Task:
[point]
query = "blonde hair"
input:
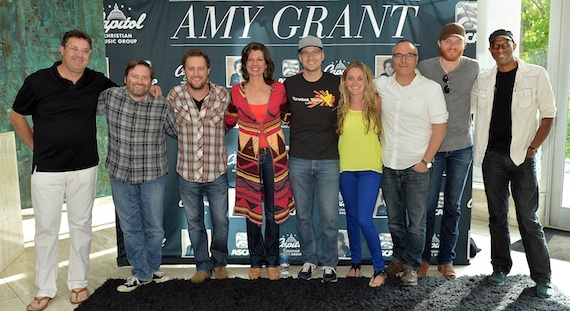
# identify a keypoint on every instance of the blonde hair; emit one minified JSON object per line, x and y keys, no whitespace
{"x":371,"y":109}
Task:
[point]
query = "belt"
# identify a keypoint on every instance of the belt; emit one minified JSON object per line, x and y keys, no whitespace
{"x":264,"y":151}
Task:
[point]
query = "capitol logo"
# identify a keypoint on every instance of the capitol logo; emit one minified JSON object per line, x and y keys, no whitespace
{"x":117,"y":20}
{"x":336,"y":67}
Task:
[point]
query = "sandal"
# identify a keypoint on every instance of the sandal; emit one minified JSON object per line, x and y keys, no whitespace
{"x":254,"y":273}
{"x":383,"y":276}
{"x":38,"y":301}
{"x":273,"y":273}
{"x":356,"y":268}
{"x":76,"y":292}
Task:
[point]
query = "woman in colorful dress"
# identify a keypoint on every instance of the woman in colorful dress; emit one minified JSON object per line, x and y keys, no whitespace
{"x":259,"y":104}
{"x":360,"y":164}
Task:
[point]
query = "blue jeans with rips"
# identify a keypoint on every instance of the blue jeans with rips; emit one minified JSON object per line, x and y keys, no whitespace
{"x":405,"y":194}
{"x":456,"y":165}
{"x":265,"y":249}
{"x":498,"y":171}
{"x":315,"y":183}
{"x":192,"y":195}
{"x":359,"y":191}
{"x":140,"y":208}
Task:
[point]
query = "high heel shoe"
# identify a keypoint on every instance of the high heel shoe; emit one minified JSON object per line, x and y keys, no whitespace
{"x":382,"y":275}
{"x":354,"y":271}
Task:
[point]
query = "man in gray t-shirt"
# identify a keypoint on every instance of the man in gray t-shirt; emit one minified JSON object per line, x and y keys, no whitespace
{"x":456,"y":74}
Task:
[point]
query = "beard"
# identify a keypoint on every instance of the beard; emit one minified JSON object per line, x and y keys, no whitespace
{"x":197,"y":85}
{"x":448,"y":57}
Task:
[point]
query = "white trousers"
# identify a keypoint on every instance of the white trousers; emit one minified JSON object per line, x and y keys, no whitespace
{"x":48,"y":191}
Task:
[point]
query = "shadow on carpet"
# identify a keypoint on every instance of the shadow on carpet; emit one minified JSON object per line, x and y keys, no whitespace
{"x":432,"y":293}
{"x":558,"y":244}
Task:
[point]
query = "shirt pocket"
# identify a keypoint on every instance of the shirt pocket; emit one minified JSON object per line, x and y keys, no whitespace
{"x":482,"y":98}
{"x":524,"y":98}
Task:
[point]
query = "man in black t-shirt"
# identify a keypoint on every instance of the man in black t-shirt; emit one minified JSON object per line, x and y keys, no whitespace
{"x":313,"y":158}
{"x":514,"y":110}
{"x":62,"y":101}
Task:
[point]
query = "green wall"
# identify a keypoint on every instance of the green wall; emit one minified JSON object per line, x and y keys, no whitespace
{"x":30,"y":37}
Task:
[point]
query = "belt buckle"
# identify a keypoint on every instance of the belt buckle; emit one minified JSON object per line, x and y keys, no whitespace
{"x":264,"y":151}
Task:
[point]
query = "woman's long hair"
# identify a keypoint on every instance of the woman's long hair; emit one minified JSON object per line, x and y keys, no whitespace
{"x":268,"y":72}
{"x":371,"y":109}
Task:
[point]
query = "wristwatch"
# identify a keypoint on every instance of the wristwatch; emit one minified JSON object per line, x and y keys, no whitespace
{"x":427,"y":164}
{"x":534,"y":150}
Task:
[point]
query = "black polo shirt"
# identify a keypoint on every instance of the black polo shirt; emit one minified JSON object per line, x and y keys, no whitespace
{"x":63,"y":117}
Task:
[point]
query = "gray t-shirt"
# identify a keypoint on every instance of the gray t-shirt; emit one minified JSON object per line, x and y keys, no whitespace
{"x":459,"y":129}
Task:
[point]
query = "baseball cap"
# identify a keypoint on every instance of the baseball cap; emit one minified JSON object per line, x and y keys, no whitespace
{"x":452,"y":29}
{"x":501,"y":33}
{"x":310,"y":41}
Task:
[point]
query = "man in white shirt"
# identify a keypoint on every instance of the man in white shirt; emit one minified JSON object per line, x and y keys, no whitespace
{"x":414,"y":117}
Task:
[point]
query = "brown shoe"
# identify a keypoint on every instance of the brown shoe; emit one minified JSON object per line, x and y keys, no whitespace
{"x":221,"y":273}
{"x":273,"y":273}
{"x":422,"y":271}
{"x":200,"y":277}
{"x":394,"y":267}
{"x":447,"y":271}
{"x":254,"y":273}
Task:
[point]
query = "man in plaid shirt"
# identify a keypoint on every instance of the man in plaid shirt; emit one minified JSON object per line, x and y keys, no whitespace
{"x":199,"y":106}
{"x":136,"y":162}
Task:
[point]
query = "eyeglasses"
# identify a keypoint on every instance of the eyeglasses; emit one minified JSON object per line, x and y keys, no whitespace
{"x":314,"y":53}
{"x":496,"y":47}
{"x":75,"y":49}
{"x":447,"y":87}
{"x":408,"y":56}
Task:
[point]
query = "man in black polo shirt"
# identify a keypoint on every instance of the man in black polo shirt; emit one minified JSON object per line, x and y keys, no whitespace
{"x":62,"y":101}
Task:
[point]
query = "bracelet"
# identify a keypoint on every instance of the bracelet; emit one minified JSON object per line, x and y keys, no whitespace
{"x":534,"y":150}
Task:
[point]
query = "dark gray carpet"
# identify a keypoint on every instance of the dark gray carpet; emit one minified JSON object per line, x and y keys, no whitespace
{"x":558,"y":244}
{"x":432,"y":293}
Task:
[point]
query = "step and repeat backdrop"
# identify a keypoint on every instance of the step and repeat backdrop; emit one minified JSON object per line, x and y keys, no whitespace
{"x":161,"y":31}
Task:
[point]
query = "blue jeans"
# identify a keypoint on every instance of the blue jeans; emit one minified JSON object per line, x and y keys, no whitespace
{"x":316,"y":183}
{"x":192,"y":195}
{"x":265,"y":249}
{"x":456,"y":165}
{"x":140,"y":208}
{"x":405,"y":194}
{"x":498,"y":171}
{"x":359,"y":191}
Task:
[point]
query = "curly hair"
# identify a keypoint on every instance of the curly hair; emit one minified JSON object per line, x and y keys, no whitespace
{"x":256,"y":46}
{"x":371,"y":109}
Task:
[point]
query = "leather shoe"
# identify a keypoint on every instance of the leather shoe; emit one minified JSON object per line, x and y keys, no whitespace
{"x":422,"y":270}
{"x":221,"y":273}
{"x":497,"y":278}
{"x":447,"y":271}
{"x":544,"y":290}
{"x":200,"y":277}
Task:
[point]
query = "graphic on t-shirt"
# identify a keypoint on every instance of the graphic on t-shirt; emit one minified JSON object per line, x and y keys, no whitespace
{"x":322,"y":98}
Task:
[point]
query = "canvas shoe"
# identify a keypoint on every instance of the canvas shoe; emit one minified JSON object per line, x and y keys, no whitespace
{"x":307,"y":271}
{"x":497,"y":278}
{"x":159,"y":277}
{"x":409,"y":277}
{"x":544,"y":289}
{"x":329,"y":275}
{"x":131,"y":284}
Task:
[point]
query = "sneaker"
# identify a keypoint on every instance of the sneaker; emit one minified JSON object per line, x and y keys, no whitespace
{"x":221,"y":273}
{"x":307,"y":271}
{"x":394,"y":267}
{"x":422,"y":271}
{"x":497,"y":278}
{"x":329,"y":275}
{"x":200,"y":277}
{"x":544,"y":289}
{"x":131,"y":284}
{"x":409,"y":277}
{"x":159,"y":277}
